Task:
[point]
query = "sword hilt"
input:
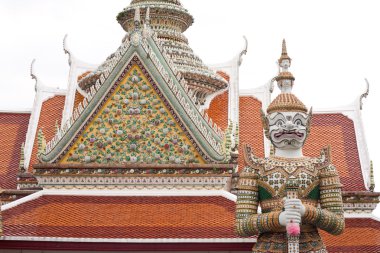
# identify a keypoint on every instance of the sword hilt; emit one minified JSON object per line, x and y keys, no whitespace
{"x":292,"y":185}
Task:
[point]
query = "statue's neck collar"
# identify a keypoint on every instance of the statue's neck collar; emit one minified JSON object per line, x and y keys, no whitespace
{"x":292,"y":154}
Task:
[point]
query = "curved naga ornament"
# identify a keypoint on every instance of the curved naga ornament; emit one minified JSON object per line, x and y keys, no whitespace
{"x":298,"y":195}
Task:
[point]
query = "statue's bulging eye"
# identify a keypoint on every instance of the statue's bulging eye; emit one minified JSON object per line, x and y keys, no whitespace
{"x":298,"y":122}
{"x":280,"y":123}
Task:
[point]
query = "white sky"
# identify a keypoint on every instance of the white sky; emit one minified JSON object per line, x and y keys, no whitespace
{"x":334,"y":46}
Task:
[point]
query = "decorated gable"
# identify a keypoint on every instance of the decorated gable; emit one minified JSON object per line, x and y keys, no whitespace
{"x":133,"y":124}
{"x":139,"y":110}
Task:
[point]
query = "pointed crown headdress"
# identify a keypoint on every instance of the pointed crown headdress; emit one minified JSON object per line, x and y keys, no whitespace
{"x":285,"y":101}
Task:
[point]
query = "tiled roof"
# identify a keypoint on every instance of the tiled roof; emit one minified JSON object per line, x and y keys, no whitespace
{"x":149,"y":217}
{"x":13,"y":131}
{"x":78,"y":99}
{"x":218,"y":110}
{"x":224,"y":75}
{"x":250,"y":127}
{"x":337,"y":131}
{"x":51,"y":111}
{"x":122,"y":217}
{"x":360,"y":235}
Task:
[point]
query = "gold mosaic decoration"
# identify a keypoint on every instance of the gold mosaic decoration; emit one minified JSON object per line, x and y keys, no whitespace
{"x":134,"y":126}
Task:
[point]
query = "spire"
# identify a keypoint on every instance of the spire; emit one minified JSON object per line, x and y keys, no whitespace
{"x":284,"y":54}
{"x":286,"y":101}
{"x":285,"y":79}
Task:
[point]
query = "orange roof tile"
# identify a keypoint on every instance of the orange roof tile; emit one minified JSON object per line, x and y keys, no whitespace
{"x":360,"y":235}
{"x":337,"y":131}
{"x":122,"y":217}
{"x":250,"y":127}
{"x":13,"y":131}
{"x":218,"y":110}
{"x":51,"y":111}
{"x":224,"y":75}
{"x":155,"y":217}
{"x":78,"y":99}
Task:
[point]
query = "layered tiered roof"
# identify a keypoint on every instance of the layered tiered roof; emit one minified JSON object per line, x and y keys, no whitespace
{"x":169,"y":19}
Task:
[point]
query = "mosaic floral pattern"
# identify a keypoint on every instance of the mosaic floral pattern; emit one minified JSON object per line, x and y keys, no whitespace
{"x":134,"y":126}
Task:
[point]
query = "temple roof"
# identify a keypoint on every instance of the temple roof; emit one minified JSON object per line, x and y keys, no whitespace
{"x":122,"y":217}
{"x":163,"y":63}
{"x":49,"y":116}
{"x":360,"y":235}
{"x":116,"y":217}
{"x":337,"y":131}
{"x":12,"y":135}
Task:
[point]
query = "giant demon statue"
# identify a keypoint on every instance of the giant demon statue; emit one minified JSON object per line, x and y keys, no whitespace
{"x":298,"y":195}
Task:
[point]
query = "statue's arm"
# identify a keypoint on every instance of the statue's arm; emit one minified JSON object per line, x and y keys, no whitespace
{"x":329,"y":216}
{"x":248,"y":221}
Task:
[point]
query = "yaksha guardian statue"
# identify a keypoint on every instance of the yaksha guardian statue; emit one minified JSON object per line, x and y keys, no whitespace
{"x":298,"y":195}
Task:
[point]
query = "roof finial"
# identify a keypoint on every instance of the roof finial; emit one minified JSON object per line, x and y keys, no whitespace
{"x":66,"y":49}
{"x":147,"y":31}
{"x":244,"y":51}
{"x":137,"y":19}
{"x":33,"y":75}
{"x":364,"y":95}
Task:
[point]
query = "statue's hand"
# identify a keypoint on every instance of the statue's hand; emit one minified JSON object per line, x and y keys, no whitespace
{"x":294,"y":211}
{"x":290,"y":215}
{"x":295,"y":205}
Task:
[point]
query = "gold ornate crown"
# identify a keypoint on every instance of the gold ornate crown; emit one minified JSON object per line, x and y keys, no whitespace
{"x":286,"y":102}
{"x":285,"y":76}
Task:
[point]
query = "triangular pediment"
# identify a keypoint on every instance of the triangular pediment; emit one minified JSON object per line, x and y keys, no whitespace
{"x":140,"y":111}
{"x":133,"y":125}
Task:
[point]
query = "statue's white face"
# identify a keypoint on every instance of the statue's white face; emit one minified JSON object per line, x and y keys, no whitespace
{"x":285,"y":64}
{"x":288,"y":130}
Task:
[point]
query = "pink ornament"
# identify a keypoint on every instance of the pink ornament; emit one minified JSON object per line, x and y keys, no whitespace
{"x":293,"y":229}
